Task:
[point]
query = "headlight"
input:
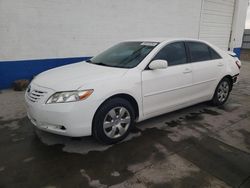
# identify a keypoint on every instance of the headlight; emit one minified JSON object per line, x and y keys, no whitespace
{"x":69,"y":96}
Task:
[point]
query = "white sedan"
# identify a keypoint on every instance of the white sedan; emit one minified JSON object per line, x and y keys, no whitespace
{"x":130,"y":82}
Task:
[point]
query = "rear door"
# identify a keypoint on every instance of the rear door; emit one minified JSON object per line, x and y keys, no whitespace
{"x":206,"y":65}
{"x":164,"y":89}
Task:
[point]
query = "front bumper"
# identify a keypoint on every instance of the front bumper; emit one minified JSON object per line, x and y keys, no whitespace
{"x":69,"y":119}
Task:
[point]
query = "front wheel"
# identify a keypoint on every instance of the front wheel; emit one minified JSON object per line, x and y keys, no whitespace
{"x":113,"y":121}
{"x":222,"y":92}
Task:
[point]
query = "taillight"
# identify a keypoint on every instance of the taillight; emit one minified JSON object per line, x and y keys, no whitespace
{"x":238,"y":64}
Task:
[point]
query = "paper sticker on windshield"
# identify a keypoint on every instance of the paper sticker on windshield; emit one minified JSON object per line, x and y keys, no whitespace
{"x":149,"y":43}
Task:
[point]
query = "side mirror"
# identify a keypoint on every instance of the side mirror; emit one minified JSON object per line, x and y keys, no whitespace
{"x":158,"y":64}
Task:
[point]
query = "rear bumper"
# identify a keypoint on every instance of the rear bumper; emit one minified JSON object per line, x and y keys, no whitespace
{"x":235,"y":78}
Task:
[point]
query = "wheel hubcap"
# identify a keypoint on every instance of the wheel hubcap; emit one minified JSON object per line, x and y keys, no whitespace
{"x":223,"y":91}
{"x":116,"y":122}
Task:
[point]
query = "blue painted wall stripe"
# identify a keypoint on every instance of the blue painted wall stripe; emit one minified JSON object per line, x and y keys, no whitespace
{"x":26,"y":69}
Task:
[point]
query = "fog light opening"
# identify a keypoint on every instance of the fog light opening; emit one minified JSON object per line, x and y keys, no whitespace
{"x":61,"y":127}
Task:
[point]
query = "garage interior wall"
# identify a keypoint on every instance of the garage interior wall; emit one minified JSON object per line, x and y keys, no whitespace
{"x":42,"y":34}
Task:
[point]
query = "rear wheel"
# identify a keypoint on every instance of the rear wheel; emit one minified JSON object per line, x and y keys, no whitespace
{"x":113,"y":121}
{"x":222,"y":92}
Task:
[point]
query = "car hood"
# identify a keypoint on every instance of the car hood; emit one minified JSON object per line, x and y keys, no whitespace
{"x":74,"y":76}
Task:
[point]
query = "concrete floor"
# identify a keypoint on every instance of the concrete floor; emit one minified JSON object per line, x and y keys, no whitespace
{"x":200,"y":146}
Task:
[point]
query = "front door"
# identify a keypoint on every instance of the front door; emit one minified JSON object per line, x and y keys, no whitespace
{"x":164,"y":89}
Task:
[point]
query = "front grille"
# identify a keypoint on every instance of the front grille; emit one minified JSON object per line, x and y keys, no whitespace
{"x":35,"y":95}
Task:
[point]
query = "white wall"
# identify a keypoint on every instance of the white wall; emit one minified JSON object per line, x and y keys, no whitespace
{"x":42,"y":29}
{"x":37,"y":29}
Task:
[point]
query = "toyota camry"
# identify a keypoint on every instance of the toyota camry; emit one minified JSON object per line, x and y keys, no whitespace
{"x":128,"y":83}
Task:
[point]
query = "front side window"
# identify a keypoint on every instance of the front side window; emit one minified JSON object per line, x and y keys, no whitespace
{"x":174,"y":54}
{"x":198,"y":51}
{"x":124,"y":55}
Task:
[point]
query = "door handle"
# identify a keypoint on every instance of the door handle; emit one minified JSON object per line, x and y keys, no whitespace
{"x":220,"y":64}
{"x":187,"y":70}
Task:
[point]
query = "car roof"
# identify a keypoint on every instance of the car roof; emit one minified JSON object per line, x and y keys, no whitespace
{"x":160,"y":40}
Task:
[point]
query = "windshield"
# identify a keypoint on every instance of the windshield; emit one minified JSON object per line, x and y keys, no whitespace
{"x":124,"y":55}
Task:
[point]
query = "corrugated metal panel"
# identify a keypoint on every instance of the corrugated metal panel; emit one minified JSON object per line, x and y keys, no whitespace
{"x":245,"y":45}
{"x":247,"y":31}
{"x":246,"y":39}
{"x":216,"y":22}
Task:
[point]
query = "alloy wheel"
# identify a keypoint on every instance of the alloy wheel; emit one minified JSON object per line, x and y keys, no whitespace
{"x":116,"y":122}
{"x":223,"y":91}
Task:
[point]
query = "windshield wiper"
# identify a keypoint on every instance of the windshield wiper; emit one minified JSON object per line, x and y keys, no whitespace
{"x":96,"y":63}
{"x":89,"y":61}
{"x":99,"y":63}
{"x":102,"y":64}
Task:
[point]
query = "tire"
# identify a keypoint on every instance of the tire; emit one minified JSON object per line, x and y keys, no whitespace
{"x":222,"y":92}
{"x":113,"y":121}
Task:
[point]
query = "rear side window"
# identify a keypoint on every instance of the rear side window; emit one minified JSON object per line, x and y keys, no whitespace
{"x":174,"y":53}
{"x":214,"y":54}
{"x":199,"y":51}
